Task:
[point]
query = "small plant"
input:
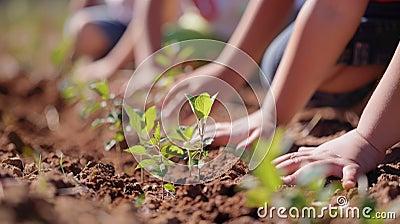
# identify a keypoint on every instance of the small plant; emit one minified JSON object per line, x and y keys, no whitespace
{"x":158,"y":148}
{"x":61,"y":163}
{"x":201,"y":107}
{"x":38,"y":160}
{"x":141,"y":122}
{"x":139,"y":200}
{"x":170,"y":189}
{"x":113,"y":107}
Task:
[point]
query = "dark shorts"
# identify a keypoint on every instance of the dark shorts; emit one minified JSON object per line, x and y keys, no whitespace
{"x":374,"y":43}
{"x":113,"y":29}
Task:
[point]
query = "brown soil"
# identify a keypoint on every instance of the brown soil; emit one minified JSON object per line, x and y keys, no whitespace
{"x":103,"y":187}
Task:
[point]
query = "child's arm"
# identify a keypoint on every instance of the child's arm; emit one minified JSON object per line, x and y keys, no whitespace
{"x":259,"y":25}
{"x":322,"y":30}
{"x":380,"y":120}
{"x":362,"y":149}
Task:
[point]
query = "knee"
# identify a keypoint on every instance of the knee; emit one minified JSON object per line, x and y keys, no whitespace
{"x":91,"y":41}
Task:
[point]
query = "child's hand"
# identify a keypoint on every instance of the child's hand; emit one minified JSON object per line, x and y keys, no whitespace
{"x":97,"y":70}
{"x":346,"y":157}
{"x":235,"y":132}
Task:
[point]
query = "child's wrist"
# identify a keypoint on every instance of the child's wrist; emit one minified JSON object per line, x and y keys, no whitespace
{"x":368,"y":150}
{"x":371,"y":143}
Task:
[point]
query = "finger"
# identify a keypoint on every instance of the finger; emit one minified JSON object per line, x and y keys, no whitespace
{"x":332,"y":169}
{"x":250,"y":139}
{"x":288,"y":156}
{"x":350,"y":174}
{"x":294,"y":163}
{"x":306,"y":149}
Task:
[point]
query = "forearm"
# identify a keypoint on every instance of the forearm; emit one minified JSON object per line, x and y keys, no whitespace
{"x":380,"y":121}
{"x":148,"y":23}
{"x":260,"y":24}
{"x":123,"y":51}
{"x":321,"y":32}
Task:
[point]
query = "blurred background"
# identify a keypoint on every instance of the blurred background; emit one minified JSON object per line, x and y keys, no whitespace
{"x":30,"y":34}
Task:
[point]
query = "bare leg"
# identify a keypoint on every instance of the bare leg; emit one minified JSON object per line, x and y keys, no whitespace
{"x":348,"y":78}
{"x":91,"y":41}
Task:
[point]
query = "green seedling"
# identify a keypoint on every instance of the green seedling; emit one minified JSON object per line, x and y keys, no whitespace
{"x":113,"y":107}
{"x":74,"y":90}
{"x":201,"y":107}
{"x":140,"y":199}
{"x":144,"y":124}
{"x":38,"y":160}
{"x":61,"y":163}
{"x":157,"y":160}
{"x":170,"y":189}
{"x":60,"y":54}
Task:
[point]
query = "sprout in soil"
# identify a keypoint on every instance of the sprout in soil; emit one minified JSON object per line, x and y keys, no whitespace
{"x":153,"y":151}
{"x":201,"y":107}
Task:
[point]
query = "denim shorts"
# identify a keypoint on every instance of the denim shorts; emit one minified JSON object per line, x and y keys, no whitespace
{"x":373,"y":43}
{"x":113,"y":29}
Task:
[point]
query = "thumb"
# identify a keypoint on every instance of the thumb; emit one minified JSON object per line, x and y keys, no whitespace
{"x":350,"y":174}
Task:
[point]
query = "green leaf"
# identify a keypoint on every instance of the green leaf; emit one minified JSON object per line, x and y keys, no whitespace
{"x":92,"y":108}
{"x":157,"y":132}
{"x":146,"y":162}
{"x":101,"y":88}
{"x":162,"y":60}
{"x":169,"y":151}
{"x":137,"y":150}
{"x":135,"y":119}
{"x":257,"y":197}
{"x":182,"y":133}
{"x":117,"y":102}
{"x":108,"y":145}
{"x":115,"y":114}
{"x":265,"y":171}
{"x":59,"y":55}
{"x":169,"y":187}
{"x":201,"y":105}
{"x":119,"y":137}
{"x":101,"y":121}
{"x":149,"y":117}
{"x":168,"y":162}
{"x":69,"y":92}
{"x":152,"y":141}
{"x":160,"y":170}
{"x":185,"y":53}
{"x":140,"y":199}
{"x":191,"y":100}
